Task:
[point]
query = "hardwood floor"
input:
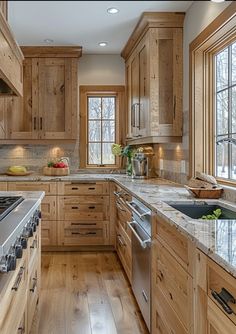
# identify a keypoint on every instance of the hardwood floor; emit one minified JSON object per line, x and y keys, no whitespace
{"x":86,"y":293}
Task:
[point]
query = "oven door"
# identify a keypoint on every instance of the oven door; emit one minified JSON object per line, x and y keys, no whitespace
{"x":141,"y":263}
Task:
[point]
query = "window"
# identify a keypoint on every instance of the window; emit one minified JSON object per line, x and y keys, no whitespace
{"x":102,"y":123}
{"x":225,"y":109}
{"x":101,"y":129}
{"x":213,"y":99}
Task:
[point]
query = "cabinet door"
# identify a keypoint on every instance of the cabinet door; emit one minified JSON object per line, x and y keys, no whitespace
{"x":2,"y":118}
{"x":57,"y":98}
{"x":143,"y":111}
{"x":128,"y":99}
{"x":134,"y":94}
{"x":23,"y":120}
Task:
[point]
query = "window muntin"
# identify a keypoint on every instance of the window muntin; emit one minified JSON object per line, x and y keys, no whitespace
{"x":101,"y":129}
{"x":225,"y":111}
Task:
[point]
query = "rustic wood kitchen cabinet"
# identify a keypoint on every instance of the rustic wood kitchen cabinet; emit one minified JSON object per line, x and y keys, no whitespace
{"x":11,"y":74}
{"x":123,"y":232}
{"x":48,"y":208}
{"x":211,"y":316}
{"x":154,"y":61}
{"x":83,"y":213}
{"x":49,"y":107}
{"x":172,"y":281}
{"x":19,"y":290}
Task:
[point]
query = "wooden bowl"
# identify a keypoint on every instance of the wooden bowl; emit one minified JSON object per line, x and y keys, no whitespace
{"x":213,"y":193}
{"x":52,"y":171}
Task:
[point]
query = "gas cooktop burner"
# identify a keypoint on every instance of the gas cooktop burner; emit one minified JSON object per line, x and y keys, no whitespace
{"x":8,"y":203}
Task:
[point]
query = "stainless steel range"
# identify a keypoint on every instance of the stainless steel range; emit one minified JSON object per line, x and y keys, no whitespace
{"x":19,"y":219}
{"x":141,"y":256}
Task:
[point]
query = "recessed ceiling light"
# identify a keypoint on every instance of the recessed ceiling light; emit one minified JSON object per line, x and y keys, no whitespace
{"x":217,"y":0}
{"x":102,"y":44}
{"x":48,"y":40}
{"x":112,"y":10}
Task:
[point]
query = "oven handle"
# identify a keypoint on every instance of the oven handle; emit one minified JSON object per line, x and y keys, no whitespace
{"x":143,"y":243}
{"x":140,"y":215}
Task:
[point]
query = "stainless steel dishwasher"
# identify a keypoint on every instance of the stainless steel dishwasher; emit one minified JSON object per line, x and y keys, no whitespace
{"x":141,"y":256}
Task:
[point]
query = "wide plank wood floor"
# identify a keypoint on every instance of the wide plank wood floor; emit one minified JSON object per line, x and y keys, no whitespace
{"x":86,"y":293}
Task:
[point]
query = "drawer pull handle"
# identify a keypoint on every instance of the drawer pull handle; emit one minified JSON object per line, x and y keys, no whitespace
{"x":91,"y":207}
{"x":75,"y":207}
{"x":34,"y":285}
{"x":223,"y":298}
{"x":120,"y":240}
{"x":34,"y":244}
{"x":83,"y":224}
{"x":91,"y":188}
{"x":75,"y":188}
{"x":119,"y":207}
{"x":86,"y":233}
{"x":18,"y":279}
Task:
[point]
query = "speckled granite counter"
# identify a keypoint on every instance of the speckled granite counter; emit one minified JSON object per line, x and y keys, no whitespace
{"x":217,"y":239}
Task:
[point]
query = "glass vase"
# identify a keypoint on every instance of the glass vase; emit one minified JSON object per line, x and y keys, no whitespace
{"x":129,"y":167}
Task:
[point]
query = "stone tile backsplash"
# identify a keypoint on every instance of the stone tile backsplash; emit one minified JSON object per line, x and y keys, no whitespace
{"x":35,"y":157}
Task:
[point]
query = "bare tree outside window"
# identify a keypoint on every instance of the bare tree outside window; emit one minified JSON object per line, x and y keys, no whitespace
{"x":225,"y":102}
{"x":101,"y":115}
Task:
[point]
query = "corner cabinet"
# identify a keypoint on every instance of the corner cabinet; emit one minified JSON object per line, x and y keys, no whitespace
{"x":154,"y":61}
{"x":49,"y":107}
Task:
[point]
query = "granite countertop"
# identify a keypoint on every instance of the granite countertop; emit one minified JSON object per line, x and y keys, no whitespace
{"x":217,"y":239}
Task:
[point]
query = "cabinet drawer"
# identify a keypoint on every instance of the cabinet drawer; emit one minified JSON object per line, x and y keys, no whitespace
{"x":218,"y":323}
{"x":123,"y":247}
{"x":218,"y":279}
{"x":49,"y":233}
{"x":164,"y":319}
{"x":123,"y":216}
{"x":80,"y":188}
{"x":49,"y":208}
{"x":34,"y":249}
{"x":173,"y":239}
{"x":50,"y":188}
{"x":83,"y":208}
{"x":22,"y":328}
{"x":13,"y":302}
{"x":33,"y":292}
{"x":173,"y":281}
{"x":78,"y":235}
{"x":3,"y":186}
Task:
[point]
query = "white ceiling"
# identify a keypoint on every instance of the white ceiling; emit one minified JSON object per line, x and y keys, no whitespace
{"x":84,"y":23}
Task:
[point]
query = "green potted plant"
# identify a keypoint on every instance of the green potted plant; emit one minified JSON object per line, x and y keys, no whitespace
{"x":126,"y":151}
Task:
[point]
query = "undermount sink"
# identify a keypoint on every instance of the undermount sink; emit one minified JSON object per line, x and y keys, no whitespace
{"x":196,"y":210}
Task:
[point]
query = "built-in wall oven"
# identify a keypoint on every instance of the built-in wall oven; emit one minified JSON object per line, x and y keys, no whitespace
{"x":141,"y":256}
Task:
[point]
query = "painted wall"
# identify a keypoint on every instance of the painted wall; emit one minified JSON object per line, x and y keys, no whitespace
{"x":176,"y":156}
{"x":93,"y":70}
{"x":101,"y":70}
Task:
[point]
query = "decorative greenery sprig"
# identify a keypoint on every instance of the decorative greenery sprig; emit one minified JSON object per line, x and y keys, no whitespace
{"x":215,"y":215}
{"x":126,"y":151}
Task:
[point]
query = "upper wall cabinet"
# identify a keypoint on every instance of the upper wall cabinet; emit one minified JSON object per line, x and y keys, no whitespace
{"x":11,"y":58}
{"x":49,"y":107}
{"x":154,"y":62}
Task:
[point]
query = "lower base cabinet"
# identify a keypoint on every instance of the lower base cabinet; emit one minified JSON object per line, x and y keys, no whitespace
{"x":79,"y":233}
{"x":20,"y":291}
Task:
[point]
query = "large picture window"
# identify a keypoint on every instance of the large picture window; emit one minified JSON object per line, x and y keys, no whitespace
{"x":225,"y":109}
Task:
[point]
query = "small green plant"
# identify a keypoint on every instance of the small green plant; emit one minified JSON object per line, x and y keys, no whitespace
{"x":215,"y":215}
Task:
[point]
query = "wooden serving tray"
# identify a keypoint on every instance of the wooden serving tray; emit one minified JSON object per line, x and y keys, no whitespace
{"x":52,"y":171}
{"x":205,"y":193}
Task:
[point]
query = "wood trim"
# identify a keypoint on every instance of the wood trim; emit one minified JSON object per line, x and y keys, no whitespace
{"x":104,"y":89}
{"x":151,"y":20}
{"x":214,"y":27}
{"x":52,"y":51}
{"x":220,"y":32}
